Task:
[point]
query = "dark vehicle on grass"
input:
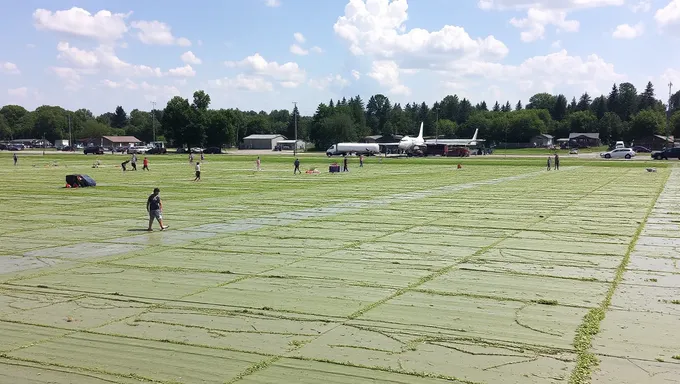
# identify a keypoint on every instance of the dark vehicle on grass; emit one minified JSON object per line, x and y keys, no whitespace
{"x":668,"y":153}
{"x":212,"y":151}
{"x":641,"y":149}
{"x":94,"y":150}
{"x":157,"y":151}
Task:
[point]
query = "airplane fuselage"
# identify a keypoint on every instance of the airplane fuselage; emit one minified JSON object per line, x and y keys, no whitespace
{"x":408,"y":143}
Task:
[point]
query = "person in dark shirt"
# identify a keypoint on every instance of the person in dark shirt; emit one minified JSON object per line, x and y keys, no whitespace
{"x":557,"y":162}
{"x":155,"y":208}
{"x":297,"y":166}
{"x":344,"y":164}
{"x":15,"y":159}
{"x":123,"y":164}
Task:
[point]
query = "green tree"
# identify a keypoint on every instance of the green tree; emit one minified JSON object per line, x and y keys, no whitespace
{"x":496,"y":107}
{"x":518,"y":106}
{"x":582,"y":121}
{"x":119,"y":118}
{"x":542,"y":101}
{"x":559,"y":110}
{"x":647,"y":123}
{"x":176,"y":120}
{"x":13,"y":114}
{"x":647,"y":98}
{"x":599,"y":107}
{"x":5,"y":130}
{"x":446,"y":128}
{"x":584,"y":102}
{"x":94,"y":129}
{"x":610,"y":127}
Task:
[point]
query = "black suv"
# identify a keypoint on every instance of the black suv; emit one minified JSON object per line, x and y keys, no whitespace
{"x":668,"y":153}
{"x":94,"y":150}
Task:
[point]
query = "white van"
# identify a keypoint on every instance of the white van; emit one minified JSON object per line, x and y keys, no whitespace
{"x":619,"y":144}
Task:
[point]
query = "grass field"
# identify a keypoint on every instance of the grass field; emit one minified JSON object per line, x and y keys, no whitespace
{"x":404,"y":271}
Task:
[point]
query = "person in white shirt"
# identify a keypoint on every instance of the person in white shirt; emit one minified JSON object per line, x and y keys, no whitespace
{"x":257,"y":164}
{"x":198,"y":171}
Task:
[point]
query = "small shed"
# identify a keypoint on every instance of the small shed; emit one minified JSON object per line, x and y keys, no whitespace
{"x":584,"y":139}
{"x":288,"y":145}
{"x":543,"y":140}
{"x":655,"y":142}
{"x":262,"y":141}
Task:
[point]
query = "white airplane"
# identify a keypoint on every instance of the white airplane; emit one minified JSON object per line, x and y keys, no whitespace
{"x":409,"y":144}
{"x":461,"y":142}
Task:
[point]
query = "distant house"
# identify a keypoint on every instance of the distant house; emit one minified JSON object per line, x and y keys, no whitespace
{"x":261,"y":141}
{"x":584,"y":139}
{"x":542,"y":140}
{"x":655,"y":142}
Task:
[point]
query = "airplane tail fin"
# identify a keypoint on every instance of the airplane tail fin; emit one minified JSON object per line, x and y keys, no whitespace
{"x":474,"y":137}
{"x":420,"y":134}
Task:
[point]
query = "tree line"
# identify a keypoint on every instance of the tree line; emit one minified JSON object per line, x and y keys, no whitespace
{"x":623,"y":114}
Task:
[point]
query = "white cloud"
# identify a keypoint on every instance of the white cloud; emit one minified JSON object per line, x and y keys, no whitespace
{"x":103,"y":25}
{"x":625,"y":31}
{"x":103,"y":58}
{"x":189,"y":58}
{"x":70,"y":76}
{"x":316,"y":49}
{"x":127,"y":83}
{"x":356,"y":74}
{"x":298,"y":50}
{"x":157,"y":33}
{"x":379,"y":30}
{"x":244,"y":83}
{"x":289,"y":72}
{"x":668,"y":15}
{"x":272,"y":3}
{"x":386,"y":73}
{"x":18,"y":92}
{"x":328,"y":81}
{"x":185,"y":71}
{"x":9,"y":68}
{"x":556,"y":45}
{"x":153,"y":92}
{"x":299,"y":37}
{"x":541,"y":13}
{"x":670,"y":75}
{"x":642,"y":6}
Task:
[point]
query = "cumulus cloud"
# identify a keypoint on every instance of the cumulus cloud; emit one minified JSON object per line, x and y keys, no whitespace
{"x":185,"y":71}
{"x":299,"y":37}
{"x":244,"y":83}
{"x":626,"y":31}
{"x":289,"y":73}
{"x":272,"y":3}
{"x":103,"y":58}
{"x":9,"y":68}
{"x":157,"y":33}
{"x":103,"y":25}
{"x":356,"y":74}
{"x":386,"y":73}
{"x":642,"y":6}
{"x":541,"y":13}
{"x":298,"y":50}
{"x":324,"y":83}
{"x":189,"y":58}
{"x":669,"y":15}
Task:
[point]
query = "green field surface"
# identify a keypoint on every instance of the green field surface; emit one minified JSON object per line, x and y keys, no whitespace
{"x":403,"y":271}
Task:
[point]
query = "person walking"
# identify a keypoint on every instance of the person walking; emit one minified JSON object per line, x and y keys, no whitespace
{"x":257,"y":164}
{"x":198,"y":171}
{"x":15,"y":159}
{"x":549,"y":167}
{"x":146,"y":165}
{"x":154,"y":207}
{"x":344,"y":165}
{"x":297,"y":166}
{"x":361,"y":161}
{"x":191,"y":157}
{"x":123,"y":164}
{"x":134,"y":162}
{"x":202,"y":157}
{"x":557,"y":162}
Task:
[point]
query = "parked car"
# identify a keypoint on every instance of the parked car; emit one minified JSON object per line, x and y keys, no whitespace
{"x":16,"y":147}
{"x":212,"y":150}
{"x":138,"y":150}
{"x":94,"y":150}
{"x":157,"y":151}
{"x":641,"y":149}
{"x":196,"y":150}
{"x":3,"y":147}
{"x":668,"y":153}
{"x":619,"y":153}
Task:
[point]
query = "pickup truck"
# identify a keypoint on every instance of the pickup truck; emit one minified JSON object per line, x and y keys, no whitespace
{"x":668,"y":153}
{"x":138,"y":150}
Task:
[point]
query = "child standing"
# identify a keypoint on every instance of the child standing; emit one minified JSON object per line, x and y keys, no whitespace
{"x":146,"y":164}
{"x":361,"y":161}
{"x":549,"y":162}
{"x":15,"y":159}
{"x":257,"y":164}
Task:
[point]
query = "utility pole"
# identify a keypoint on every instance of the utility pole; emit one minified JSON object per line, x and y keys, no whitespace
{"x":70,"y":138}
{"x":295,"y":122}
{"x":436,"y":128}
{"x":668,"y":113}
{"x":153,"y":119}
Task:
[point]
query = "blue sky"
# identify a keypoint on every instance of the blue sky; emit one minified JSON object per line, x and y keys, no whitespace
{"x":97,"y":54}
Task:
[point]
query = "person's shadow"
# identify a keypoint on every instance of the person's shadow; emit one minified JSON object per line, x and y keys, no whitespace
{"x":137,"y":230}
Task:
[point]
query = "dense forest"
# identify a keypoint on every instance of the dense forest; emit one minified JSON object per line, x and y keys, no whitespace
{"x":623,"y":114}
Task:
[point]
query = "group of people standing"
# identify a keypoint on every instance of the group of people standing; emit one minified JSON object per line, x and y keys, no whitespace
{"x":133,"y":162}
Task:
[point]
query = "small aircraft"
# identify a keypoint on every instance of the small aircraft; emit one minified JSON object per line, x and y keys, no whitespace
{"x":408,"y":143}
